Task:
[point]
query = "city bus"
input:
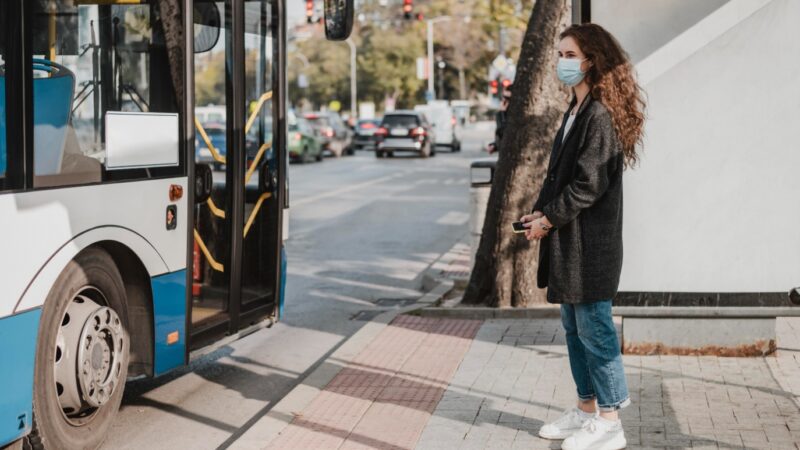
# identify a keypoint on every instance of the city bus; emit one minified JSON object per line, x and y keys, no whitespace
{"x":123,"y":252}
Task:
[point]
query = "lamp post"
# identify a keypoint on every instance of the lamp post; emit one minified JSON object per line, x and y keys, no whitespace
{"x":353,"y":87}
{"x":430,"y":23}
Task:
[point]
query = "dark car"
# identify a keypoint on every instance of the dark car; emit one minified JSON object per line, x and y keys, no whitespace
{"x":405,"y":131}
{"x":365,"y":134}
{"x":336,"y":137}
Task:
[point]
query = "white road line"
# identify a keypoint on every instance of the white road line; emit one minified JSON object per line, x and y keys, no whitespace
{"x":343,"y":190}
{"x":453,"y":218}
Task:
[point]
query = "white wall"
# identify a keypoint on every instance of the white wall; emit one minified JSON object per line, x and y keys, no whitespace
{"x":715,"y":204}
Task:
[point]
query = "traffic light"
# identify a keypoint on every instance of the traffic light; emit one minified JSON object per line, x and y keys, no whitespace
{"x":408,"y":8}
{"x":506,"y":83}
{"x":309,"y":11}
{"x":493,"y":87}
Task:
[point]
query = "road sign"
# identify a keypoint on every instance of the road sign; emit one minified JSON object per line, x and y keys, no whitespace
{"x":422,"y":68}
{"x":302,"y":81}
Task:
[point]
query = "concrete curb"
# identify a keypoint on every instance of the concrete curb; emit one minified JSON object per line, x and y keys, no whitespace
{"x":431,"y":276}
{"x":281,"y":415}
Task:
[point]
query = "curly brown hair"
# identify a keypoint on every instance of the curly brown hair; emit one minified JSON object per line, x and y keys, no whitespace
{"x":612,"y":81}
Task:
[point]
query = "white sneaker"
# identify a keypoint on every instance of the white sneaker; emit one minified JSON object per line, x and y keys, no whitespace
{"x":570,"y":422}
{"x":597,"y":434}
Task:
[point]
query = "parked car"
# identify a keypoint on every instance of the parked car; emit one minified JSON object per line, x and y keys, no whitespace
{"x":217,"y":135}
{"x":304,"y":145}
{"x":336,"y":137}
{"x":365,"y":134}
{"x":444,"y":120}
{"x":405,"y":131}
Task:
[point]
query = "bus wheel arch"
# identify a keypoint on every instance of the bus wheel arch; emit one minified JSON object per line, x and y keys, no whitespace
{"x":83,"y":322}
{"x":139,"y":307}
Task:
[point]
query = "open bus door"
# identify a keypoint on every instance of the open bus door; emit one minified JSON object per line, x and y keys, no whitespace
{"x":236,"y":256}
{"x":236,"y":249}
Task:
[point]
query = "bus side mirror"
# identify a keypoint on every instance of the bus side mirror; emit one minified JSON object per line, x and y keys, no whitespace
{"x":338,"y":19}
{"x":203,"y":182}
{"x":207,"y":25}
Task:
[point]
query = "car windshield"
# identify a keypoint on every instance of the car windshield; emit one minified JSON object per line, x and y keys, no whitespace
{"x":400,"y":121}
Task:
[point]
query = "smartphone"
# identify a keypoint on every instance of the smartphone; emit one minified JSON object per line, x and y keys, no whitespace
{"x":519,"y":227}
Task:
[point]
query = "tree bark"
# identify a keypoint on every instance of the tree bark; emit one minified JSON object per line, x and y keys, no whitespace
{"x":504,"y":274}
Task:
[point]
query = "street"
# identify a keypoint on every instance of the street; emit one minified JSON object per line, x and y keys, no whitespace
{"x":362,"y":232}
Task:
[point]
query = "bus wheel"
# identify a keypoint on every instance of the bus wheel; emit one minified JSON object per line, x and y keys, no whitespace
{"x":81,"y":356}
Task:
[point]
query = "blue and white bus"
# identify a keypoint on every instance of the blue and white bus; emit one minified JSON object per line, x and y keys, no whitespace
{"x":123,"y":253}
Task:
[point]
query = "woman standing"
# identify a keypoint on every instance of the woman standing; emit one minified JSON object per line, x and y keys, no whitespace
{"x":578,"y":218}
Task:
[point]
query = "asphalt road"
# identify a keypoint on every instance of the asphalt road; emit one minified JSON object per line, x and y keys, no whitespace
{"x":362,"y":231}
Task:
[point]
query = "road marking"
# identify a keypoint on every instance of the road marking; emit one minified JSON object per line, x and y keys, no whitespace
{"x":453,"y":218}
{"x":344,"y":190}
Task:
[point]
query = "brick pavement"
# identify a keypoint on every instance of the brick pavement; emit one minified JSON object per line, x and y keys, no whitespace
{"x":516,"y":376}
{"x":384,"y":397}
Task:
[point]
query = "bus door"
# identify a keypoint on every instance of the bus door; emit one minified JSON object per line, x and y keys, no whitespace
{"x":236,"y":237}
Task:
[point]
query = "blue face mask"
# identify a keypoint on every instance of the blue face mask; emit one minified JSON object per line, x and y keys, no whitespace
{"x":569,"y":71}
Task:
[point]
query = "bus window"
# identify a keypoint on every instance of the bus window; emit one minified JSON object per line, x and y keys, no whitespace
{"x":88,"y":60}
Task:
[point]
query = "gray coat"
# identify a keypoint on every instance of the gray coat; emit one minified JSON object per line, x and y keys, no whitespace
{"x":581,"y":259}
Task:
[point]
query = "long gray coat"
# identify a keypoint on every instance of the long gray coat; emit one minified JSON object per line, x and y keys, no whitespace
{"x":581,"y":259}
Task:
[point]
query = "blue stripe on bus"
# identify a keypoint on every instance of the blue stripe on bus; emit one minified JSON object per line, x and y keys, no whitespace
{"x":18,"y":350}
{"x":169,"y":309}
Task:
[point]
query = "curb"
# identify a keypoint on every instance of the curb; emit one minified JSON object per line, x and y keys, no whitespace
{"x":431,"y":277}
{"x":261,"y":433}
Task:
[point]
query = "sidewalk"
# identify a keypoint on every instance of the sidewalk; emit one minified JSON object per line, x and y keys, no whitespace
{"x":436,"y":383}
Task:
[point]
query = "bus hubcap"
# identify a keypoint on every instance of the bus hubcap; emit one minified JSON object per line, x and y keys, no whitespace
{"x":89,"y":353}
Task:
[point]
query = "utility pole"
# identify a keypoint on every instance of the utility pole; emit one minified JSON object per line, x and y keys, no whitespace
{"x":353,"y":85}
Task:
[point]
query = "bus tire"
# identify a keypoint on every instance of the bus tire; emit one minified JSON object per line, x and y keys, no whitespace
{"x":87,"y":301}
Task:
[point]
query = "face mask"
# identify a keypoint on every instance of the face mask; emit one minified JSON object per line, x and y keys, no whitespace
{"x":569,"y":71}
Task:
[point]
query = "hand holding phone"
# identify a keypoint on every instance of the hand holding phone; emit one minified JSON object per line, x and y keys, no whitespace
{"x":519,"y":227}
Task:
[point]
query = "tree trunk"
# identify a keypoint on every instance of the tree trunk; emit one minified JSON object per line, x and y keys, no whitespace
{"x":504,"y":274}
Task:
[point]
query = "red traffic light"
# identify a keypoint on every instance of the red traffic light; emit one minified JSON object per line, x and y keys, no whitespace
{"x":506,"y":83}
{"x":493,"y":87}
{"x":408,"y":7}
{"x":309,"y":10}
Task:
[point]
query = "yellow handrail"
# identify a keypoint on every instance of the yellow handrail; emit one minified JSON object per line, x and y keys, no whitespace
{"x":264,"y":97}
{"x":217,"y":157}
{"x":253,"y":213}
{"x":211,"y":261}
{"x":214,"y":209}
{"x":256,"y":160}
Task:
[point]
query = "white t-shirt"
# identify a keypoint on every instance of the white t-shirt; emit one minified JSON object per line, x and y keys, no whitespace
{"x":570,"y":120}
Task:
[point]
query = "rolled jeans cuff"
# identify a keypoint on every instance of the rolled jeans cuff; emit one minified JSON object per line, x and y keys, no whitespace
{"x":586,"y":397}
{"x":616,"y":406}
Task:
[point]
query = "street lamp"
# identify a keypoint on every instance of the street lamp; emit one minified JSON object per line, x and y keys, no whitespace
{"x":430,"y":23}
{"x":353,"y":92}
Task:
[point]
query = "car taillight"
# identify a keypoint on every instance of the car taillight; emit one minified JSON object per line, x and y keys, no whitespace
{"x":419,"y":131}
{"x":382,"y":131}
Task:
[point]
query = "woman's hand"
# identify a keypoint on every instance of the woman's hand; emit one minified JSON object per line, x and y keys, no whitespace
{"x":537,"y":224}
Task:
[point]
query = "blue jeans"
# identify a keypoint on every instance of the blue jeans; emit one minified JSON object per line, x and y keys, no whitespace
{"x":594,"y":354}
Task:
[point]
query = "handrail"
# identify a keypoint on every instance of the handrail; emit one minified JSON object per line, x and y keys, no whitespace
{"x":214,"y":153}
{"x":211,"y":261}
{"x":253,"y":213}
{"x":256,"y":160}
{"x":264,"y":97}
{"x":215,"y":209}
